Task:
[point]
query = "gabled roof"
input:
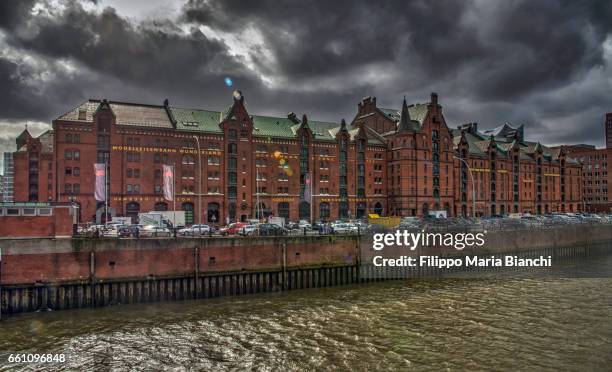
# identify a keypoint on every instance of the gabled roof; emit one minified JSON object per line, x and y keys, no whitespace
{"x":417,"y":113}
{"x":125,"y":114}
{"x":46,"y":143}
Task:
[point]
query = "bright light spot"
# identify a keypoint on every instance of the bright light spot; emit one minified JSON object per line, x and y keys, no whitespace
{"x":228,"y":82}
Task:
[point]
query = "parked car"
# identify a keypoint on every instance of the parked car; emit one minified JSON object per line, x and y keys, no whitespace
{"x":270,"y":229}
{"x":249,"y":229}
{"x":194,"y":230}
{"x":154,"y":231}
{"x":344,"y":228}
{"x":127,"y":231}
{"x":303,"y":224}
{"x":292,"y":226}
{"x":233,"y":228}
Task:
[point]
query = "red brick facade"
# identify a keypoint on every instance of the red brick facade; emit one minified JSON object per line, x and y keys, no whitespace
{"x":390,"y":162}
{"x":36,"y":220}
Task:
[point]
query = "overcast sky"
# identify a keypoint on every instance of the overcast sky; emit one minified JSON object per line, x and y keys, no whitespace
{"x":545,"y":64}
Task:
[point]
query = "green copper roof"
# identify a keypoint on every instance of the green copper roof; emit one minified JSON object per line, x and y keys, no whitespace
{"x":268,"y":126}
{"x":196,"y":120}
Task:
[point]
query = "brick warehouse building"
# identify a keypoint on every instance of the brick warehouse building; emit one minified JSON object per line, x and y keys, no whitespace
{"x":387,"y":161}
{"x":595,"y":171}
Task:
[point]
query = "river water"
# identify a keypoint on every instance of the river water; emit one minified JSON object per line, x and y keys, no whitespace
{"x":452,"y":324}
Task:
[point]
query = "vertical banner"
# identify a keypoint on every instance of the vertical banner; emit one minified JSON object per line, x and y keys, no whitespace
{"x":100,"y":188}
{"x":168,"y":173}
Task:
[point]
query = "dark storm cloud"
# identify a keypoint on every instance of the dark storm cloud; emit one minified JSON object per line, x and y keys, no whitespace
{"x":310,"y":37}
{"x":154,"y":53}
{"x":529,"y":62}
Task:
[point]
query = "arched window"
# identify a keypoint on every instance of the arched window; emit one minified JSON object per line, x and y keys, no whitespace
{"x":378,"y":209}
{"x":188,"y":209}
{"x":324,"y":212}
{"x":160,"y":207}
{"x":213,"y":212}
{"x":304,"y":210}
{"x":434,"y":134}
{"x":283,"y":210}
{"x":343,"y":210}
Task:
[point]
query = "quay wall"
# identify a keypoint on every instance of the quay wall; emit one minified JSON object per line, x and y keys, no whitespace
{"x":41,"y":274}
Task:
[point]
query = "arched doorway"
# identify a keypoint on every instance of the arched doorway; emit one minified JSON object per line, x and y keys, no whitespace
{"x":343,"y":210}
{"x":493,"y":210}
{"x":160,"y":207}
{"x":131,"y":210}
{"x":188,"y":209}
{"x":447,"y":209}
{"x":212,"y":212}
{"x":283,"y":210}
{"x":502,"y":210}
{"x":361,"y":210}
{"x":324,"y":211}
{"x":304,"y":210}
{"x":378,"y":208}
{"x":464,"y":210}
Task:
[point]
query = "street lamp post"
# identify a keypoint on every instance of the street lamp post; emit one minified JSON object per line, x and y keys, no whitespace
{"x":199,"y":185}
{"x":473,"y":184}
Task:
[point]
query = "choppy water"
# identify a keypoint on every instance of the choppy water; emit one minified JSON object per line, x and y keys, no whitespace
{"x":475,"y":324}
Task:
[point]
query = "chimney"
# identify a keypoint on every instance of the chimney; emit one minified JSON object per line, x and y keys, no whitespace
{"x":293,"y":117}
{"x":434,"y":98}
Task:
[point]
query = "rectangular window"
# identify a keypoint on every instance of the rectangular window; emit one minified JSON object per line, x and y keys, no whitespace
{"x":12,"y":211}
{"x":29,"y":211}
{"x":45,"y":211}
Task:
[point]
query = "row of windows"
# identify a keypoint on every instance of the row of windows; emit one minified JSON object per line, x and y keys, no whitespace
{"x":72,"y":188}
{"x":71,"y":154}
{"x":71,"y":171}
{"x":73,"y":138}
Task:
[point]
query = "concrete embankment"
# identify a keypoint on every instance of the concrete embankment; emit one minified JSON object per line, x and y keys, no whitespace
{"x":73,"y":273}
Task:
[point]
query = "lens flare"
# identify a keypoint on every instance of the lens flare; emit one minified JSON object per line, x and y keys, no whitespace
{"x":228,"y":82}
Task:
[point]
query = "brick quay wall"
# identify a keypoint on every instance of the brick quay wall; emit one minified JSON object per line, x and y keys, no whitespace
{"x":40,"y":274}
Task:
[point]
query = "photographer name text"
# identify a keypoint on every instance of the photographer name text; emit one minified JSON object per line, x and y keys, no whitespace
{"x":466,"y":261}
